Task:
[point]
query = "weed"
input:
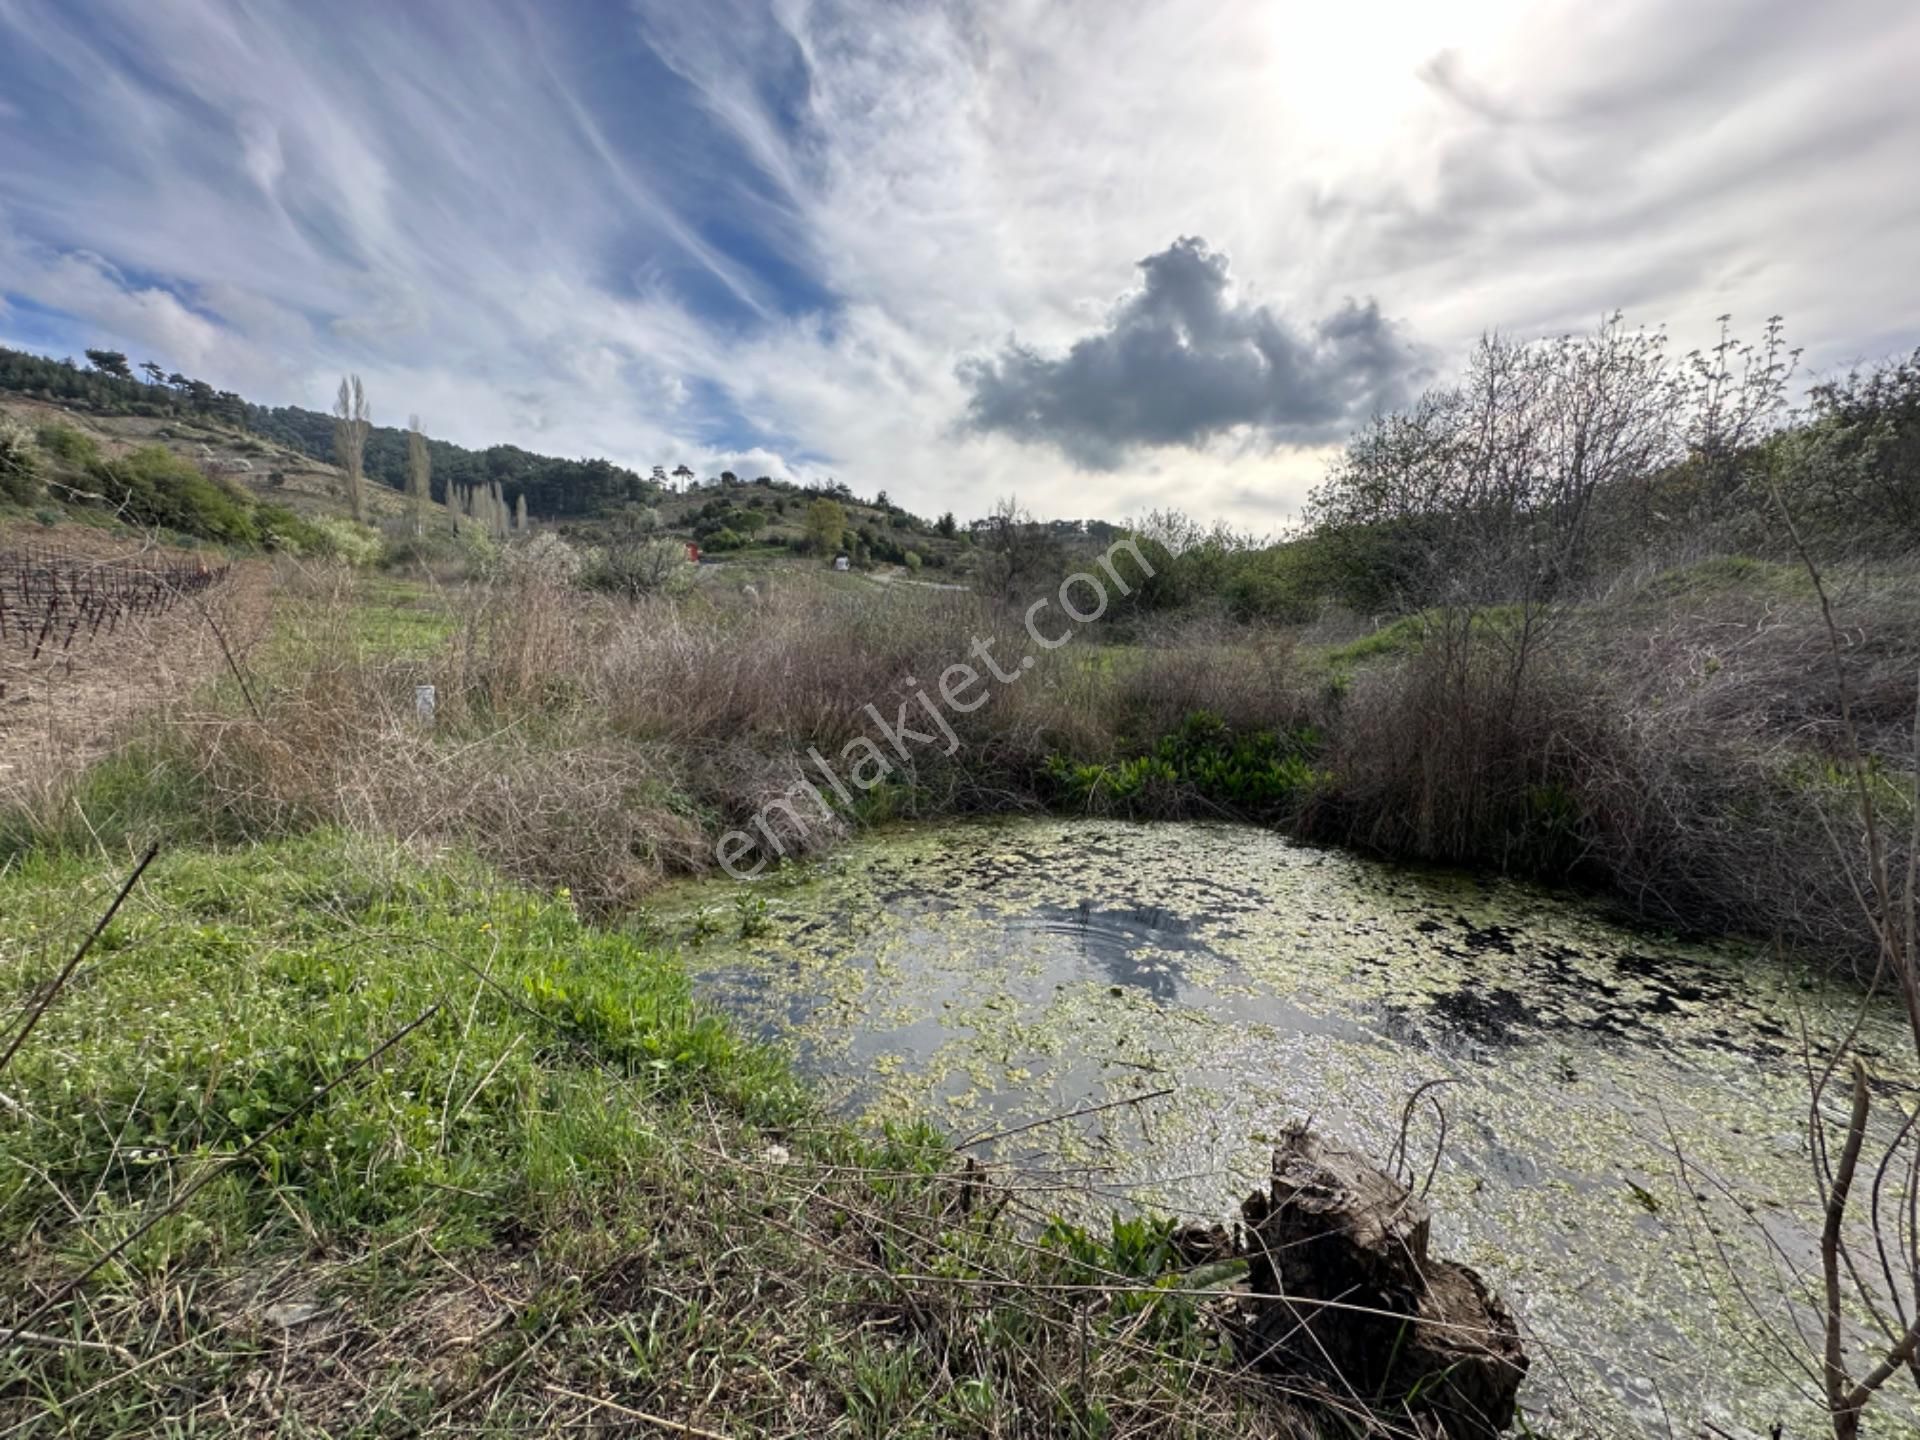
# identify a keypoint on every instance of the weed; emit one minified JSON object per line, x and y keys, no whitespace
{"x":751,"y":909}
{"x":568,"y":1182}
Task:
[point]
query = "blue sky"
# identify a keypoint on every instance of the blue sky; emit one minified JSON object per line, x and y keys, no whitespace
{"x":1104,"y":255}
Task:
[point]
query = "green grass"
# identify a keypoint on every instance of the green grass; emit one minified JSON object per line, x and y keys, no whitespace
{"x":1729,"y":574}
{"x":1398,"y":638}
{"x":387,"y":619}
{"x":402,"y":619}
{"x":136,"y":795}
{"x":569,"y":1180}
{"x":1411,"y":632}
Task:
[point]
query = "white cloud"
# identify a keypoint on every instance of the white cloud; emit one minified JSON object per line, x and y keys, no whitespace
{"x":441,"y":199}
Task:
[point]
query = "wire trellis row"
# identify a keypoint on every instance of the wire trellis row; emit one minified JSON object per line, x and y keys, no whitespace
{"x":51,"y":597}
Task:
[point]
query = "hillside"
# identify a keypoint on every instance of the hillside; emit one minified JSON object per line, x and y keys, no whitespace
{"x":300,"y":439}
{"x":283,"y":456}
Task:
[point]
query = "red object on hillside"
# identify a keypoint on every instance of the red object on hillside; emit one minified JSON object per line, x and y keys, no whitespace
{"x":693,"y":553}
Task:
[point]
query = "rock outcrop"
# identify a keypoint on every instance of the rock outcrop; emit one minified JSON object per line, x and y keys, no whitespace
{"x":1342,"y":1286}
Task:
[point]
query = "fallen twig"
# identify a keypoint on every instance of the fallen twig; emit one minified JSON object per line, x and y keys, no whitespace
{"x":39,"y":1007}
{"x":1067,"y":1115}
{"x":678,"y":1427}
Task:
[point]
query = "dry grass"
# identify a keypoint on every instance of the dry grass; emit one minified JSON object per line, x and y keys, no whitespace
{"x":1676,"y":744}
{"x":1672,"y":741}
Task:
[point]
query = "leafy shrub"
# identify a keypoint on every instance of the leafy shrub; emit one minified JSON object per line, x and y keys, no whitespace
{"x":436,"y":546}
{"x":638,"y":567}
{"x":291,"y":533}
{"x":288,"y":531}
{"x":153,"y":486}
{"x":482,"y":554}
{"x":912,"y":561}
{"x":1852,"y":473}
{"x":346,"y":540}
{"x":544,"y":560}
{"x":71,"y":447}
{"x":19,"y":464}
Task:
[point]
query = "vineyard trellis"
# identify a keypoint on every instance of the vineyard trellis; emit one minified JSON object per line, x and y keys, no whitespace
{"x":50,"y":597}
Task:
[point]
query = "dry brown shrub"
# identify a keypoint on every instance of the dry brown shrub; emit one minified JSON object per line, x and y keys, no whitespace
{"x":1248,"y":677}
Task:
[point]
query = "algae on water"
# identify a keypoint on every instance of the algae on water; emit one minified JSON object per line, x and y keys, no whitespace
{"x":1624,"y":1112}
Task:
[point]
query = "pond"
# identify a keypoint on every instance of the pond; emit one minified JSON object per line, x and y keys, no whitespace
{"x":1624,"y":1153}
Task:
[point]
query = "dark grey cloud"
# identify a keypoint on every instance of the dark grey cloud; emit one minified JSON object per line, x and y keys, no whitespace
{"x":1180,"y":360}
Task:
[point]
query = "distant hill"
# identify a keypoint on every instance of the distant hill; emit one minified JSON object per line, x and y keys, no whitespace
{"x":291,"y":453}
{"x":553,"y":487}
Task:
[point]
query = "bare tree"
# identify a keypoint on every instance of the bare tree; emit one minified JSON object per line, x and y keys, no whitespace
{"x":419,"y":475}
{"x":351,"y":424}
{"x":1890,"y":896}
{"x":520,"y":511}
{"x":1489,"y":491}
{"x":1019,"y":553}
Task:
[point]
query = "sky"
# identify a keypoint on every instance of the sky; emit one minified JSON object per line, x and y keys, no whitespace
{"x":1104,"y":256}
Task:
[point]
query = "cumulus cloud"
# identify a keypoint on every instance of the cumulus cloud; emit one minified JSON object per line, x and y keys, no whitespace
{"x":1182,"y":360}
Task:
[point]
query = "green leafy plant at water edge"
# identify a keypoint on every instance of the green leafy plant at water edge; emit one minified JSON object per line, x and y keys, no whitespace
{"x":1256,"y":770}
{"x":1137,"y":1256}
{"x":1121,"y":781}
{"x":752,"y":912}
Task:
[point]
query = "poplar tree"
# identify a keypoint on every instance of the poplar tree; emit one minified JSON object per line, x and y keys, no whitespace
{"x":419,"y":475}
{"x":351,"y":422}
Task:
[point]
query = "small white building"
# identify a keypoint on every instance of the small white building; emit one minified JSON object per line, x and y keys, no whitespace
{"x":840,"y":562}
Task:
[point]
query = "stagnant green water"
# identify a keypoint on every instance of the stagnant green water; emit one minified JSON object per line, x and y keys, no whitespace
{"x":985,"y":975}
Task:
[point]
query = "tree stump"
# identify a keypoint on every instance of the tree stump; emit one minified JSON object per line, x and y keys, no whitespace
{"x":1342,"y":1285}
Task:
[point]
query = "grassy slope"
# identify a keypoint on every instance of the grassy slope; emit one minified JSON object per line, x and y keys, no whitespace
{"x":567,"y":1182}
{"x":309,"y":486}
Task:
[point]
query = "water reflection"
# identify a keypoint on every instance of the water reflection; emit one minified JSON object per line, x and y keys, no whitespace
{"x":1137,"y":946}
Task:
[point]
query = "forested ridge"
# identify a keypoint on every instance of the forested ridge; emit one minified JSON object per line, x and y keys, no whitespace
{"x":553,"y":486}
